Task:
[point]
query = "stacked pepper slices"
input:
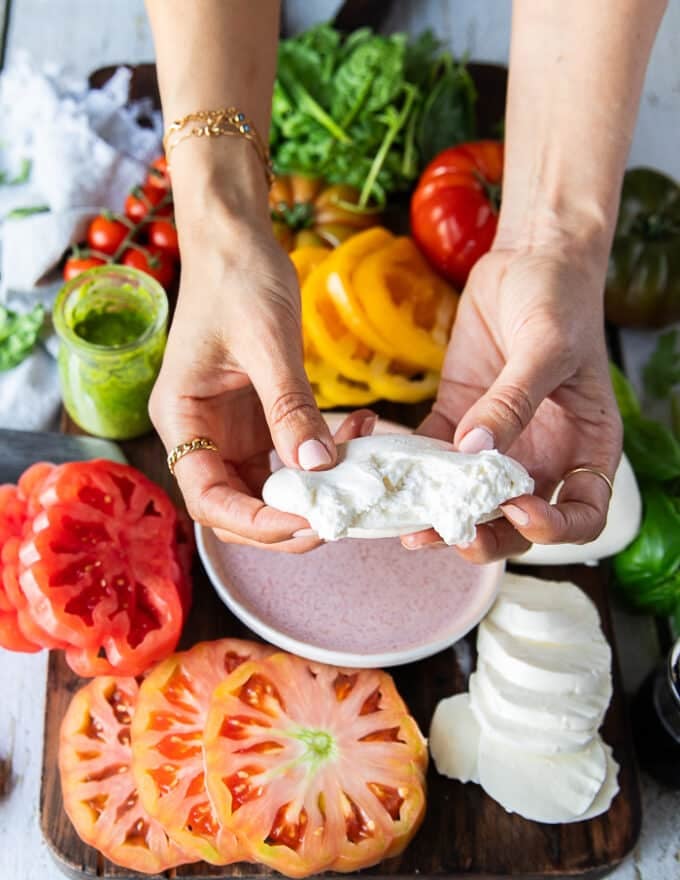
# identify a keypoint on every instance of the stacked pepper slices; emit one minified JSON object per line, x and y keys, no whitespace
{"x":376,"y":320}
{"x":95,"y":561}
{"x":231,"y":752}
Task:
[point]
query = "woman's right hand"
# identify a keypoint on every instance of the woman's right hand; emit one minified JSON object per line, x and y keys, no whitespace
{"x":233,"y":369}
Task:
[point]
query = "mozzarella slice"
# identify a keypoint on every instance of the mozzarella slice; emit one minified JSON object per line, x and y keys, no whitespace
{"x":609,"y":790}
{"x":623,"y":524}
{"x":551,"y":611}
{"x":391,"y":485}
{"x":542,"y":709}
{"x":545,"y":788}
{"x":542,"y":666}
{"x":545,"y":740}
{"x":454,"y":739}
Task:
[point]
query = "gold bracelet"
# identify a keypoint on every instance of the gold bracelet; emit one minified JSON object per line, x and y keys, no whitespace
{"x":215,"y":123}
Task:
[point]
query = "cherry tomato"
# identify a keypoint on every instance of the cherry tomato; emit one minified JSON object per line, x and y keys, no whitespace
{"x":158,"y":175}
{"x":454,"y":209}
{"x":163,"y":235}
{"x":140,"y":201}
{"x":314,"y":767}
{"x":99,"y":792}
{"x":157,"y":263}
{"x":106,"y":234}
{"x":175,"y":698}
{"x":99,"y":568}
{"x":75,"y":265}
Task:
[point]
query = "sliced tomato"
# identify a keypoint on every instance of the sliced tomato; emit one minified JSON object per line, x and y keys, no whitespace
{"x":12,"y":521}
{"x":30,"y":485}
{"x":27,"y":626}
{"x":97,"y":785}
{"x":314,"y":767}
{"x":99,"y":567}
{"x":184,"y":547}
{"x":166,"y":742}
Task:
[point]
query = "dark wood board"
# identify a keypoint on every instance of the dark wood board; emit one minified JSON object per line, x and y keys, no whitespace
{"x":465,"y":833}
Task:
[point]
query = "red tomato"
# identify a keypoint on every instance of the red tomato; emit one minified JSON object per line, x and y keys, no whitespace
{"x":155,"y":262}
{"x":159,"y":174}
{"x":140,"y":201}
{"x":454,"y":209}
{"x":75,"y":265}
{"x":98,"y":789}
{"x":106,"y":234}
{"x":99,"y":568}
{"x":163,"y":235}
{"x":174,"y":698}
{"x":346,"y":742}
{"x":184,"y":547}
{"x":12,"y":521}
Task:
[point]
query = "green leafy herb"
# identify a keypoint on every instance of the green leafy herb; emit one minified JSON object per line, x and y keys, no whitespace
{"x":28,"y":211}
{"x":626,"y":398}
{"x":21,"y":177}
{"x":662,"y":370}
{"x":367,"y":110}
{"x":18,"y":335}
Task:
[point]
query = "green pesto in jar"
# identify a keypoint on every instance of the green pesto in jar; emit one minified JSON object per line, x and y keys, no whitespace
{"x":112,"y":324}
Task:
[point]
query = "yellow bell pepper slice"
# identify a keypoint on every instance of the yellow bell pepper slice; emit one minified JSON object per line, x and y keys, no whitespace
{"x":414,"y":307}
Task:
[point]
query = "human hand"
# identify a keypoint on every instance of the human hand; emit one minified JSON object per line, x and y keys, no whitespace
{"x":233,"y":372}
{"x":526,"y":373}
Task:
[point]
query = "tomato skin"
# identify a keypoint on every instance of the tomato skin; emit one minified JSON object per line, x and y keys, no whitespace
{"x":159,"y":174}
{"x":75,"y":265}
{"x":140,"y":201}
{"x":158,"y":264}
{"x":163,"y":235}
{"x":453,"y":213}
{"x":106,"y":234}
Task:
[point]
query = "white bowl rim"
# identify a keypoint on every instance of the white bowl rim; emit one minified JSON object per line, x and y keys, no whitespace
{"x":328,"y":655}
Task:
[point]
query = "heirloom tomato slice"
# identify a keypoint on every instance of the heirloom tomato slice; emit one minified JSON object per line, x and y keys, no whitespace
{"x":167,"y":733}
{"x":100,"y":797}
{"x":314,"y":767}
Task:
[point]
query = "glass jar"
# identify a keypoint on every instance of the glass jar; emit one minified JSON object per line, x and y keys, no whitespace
{"x":112,"y":325}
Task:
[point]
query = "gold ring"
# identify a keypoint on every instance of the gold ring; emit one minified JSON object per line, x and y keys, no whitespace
{"x":183,"y":449}
{"x":584,"y":469}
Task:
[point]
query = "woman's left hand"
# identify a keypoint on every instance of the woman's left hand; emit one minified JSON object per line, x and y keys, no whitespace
{"x":527,"y":373}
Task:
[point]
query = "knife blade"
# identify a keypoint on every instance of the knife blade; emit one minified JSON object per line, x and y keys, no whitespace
{"x":20,"y":449}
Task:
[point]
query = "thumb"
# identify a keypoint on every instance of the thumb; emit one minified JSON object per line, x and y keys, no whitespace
{"x":497,"y":419}
{"x":300,"y":434}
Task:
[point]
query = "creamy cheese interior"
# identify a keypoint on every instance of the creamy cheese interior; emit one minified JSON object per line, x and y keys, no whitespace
{"x":390,"y":485}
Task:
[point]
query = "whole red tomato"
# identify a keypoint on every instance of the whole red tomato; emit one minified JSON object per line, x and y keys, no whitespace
{"x":106,"y":234}
{"x":158,"y":175}
{"x":142,"y":199}
{"x":157,"y":263}
{"x":454,"y":209}
{"x":75,"y":265}
{"x":163,"y":235}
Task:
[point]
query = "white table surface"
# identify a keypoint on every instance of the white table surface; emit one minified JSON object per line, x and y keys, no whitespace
{"x":87,"y":34}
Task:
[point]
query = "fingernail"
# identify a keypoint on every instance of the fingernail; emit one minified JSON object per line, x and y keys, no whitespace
{"x":368,"y":425}
{"x":518,"y":516}
{"x":313,"y":454}
{"x":305,"y":533}
{"x":477,"y":440}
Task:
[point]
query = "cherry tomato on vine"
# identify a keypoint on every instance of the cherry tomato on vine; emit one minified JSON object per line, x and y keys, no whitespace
{"x":106,"y":234}
{"x":140,"y":201}
{"x":158,"y":175}
{"x":163,"y":235}
{"x":157,"y":263}
{"x":75,"y":265}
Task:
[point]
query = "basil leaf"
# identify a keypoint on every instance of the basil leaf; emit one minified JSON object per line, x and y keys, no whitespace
{"x":662,"y":370}
{"x":18,"y":335}
{"x":626,"y":398}
{"x":651,"y":447}
{"x":29,"y":211}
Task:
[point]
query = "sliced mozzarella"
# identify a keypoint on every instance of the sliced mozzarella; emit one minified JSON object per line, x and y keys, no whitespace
{"x":542,"y":709}
{"x":545,"y":788}
{"x":393,"y":484}
{"x":543,"y":666}
{"x":550,"y":611}
{"x":454,"y":739}
{"x":623,"y":523}
{"x":515,"y":732}
{"x":609,"y":790}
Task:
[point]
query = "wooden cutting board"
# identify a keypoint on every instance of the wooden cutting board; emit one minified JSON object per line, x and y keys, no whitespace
{"x":465,"y":833}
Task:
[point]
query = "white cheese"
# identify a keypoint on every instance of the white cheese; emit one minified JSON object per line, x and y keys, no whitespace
{"x":543,"y":666}
{"x":623,"y":523}
{"x":550,"y":611}
{"x":609,"y":790}
{"x":545,"y":788}
{"x":391,"y":485}
{"x":454,"y":739}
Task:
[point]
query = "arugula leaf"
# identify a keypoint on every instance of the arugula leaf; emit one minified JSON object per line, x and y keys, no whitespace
{"x":662,"y":370}
{"x":18,"y":335}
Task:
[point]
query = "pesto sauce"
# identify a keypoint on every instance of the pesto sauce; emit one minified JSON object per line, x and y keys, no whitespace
{"x":112,"y":328}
